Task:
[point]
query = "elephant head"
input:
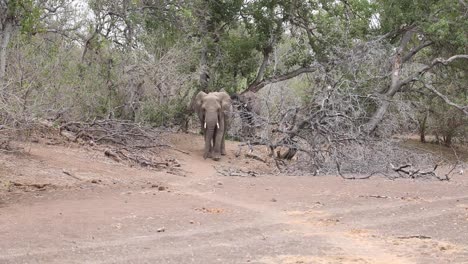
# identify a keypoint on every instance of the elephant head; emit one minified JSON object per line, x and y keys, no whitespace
{"x":213,"y":111}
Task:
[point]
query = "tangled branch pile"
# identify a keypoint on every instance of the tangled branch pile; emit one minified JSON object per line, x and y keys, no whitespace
{"x":325,"y":126}
{"x":123,"y":141}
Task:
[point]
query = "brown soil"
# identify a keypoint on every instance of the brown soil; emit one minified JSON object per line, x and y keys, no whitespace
{"x":71,"y":204}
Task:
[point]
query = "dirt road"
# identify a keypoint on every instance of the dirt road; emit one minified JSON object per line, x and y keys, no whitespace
{"x":86,"y":208}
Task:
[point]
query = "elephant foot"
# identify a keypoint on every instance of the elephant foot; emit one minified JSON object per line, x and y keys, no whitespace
{"x":216,"y":157}
{"x":207,"y":155}
{"x":223,"y":152}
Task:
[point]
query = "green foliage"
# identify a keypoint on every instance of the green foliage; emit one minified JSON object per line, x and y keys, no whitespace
{"x":222,"y":11}
{"x":448,"y":26}
{"x":166,"y":115}
{"x":298,"y":54}
{"x":264,"y":21}
{"x":442,"y":21}
{"x":238,"y":63}
{"x":27,"y":13}
{"x":237,"y":36}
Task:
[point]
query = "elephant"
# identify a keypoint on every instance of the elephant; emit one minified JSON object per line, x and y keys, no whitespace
{"x":213,"y":110}
{"x":248,"y":106}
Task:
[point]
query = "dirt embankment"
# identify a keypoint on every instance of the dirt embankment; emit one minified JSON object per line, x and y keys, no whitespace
{"x":72,"y":204}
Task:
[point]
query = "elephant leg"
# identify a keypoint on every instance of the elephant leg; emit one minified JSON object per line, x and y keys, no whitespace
{"x":226,"y":127}
{"x":212,"y":144}
{"x":218,"y":142}
{"x":208,"y":149}
{"x":223,"y":146}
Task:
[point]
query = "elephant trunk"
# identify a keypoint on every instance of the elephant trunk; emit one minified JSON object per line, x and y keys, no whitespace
{"x":211,"y":119}
{"x":211,"y":123}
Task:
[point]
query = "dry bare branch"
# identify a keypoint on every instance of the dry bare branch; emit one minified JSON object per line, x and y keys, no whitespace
{"x":463,"y":109}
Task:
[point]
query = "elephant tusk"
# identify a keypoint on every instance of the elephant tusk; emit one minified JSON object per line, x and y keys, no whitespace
{"x":217,"y":125}
{"x":205,"y":125}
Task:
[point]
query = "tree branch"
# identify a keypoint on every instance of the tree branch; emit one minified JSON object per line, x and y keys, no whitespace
{"x":266,"y":58}
{"x":257,"y":86}
{"x":426,"y":68}
{"x":415,"y":50}
{"x":464,"y":109}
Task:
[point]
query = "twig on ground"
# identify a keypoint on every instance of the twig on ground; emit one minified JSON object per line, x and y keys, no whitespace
{"x":255,"y":157}
{"x":415,"y":236}
{"x":407,"y":170}
{"x":229,"y":171}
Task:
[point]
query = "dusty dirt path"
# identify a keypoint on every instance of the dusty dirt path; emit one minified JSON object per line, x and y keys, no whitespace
{"x":99,"y":211}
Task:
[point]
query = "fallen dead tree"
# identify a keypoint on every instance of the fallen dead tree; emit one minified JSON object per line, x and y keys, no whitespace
{"x":409,"y":171}
{"x":123,"y":141}
{"x":119,"y":132}
{"x":327,"y":136}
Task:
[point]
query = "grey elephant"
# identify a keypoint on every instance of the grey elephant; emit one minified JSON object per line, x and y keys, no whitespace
{"x":213,"y":110}
{"x":249,"y":106}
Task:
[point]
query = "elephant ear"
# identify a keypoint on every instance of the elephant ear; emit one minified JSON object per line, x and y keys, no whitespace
{"x":225,"y":100}
{"x":199,"y":99}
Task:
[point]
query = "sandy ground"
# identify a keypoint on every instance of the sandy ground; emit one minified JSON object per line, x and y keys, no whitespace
{"x":68,"y":204}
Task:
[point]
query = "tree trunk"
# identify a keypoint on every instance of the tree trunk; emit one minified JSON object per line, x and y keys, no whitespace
{"x":204,"y":68}
{"x":422,"y":134}
{"x":204,"y":52}
{"x":395,"y":84}
{"x":378,"y":115}
{"x":266,"y":59}
{"x":422,"y":128}
{"x":5,"y":36}
{"x":448,"y":140}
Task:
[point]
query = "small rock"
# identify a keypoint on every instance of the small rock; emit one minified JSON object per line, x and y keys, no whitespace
{"x":154,"y":186}
{"x":160,"y":230}
{"x":274,"y":200}
{"x":94,"y":181}
{"x":191,"y":222}
{"x":161,"y":188}
{"x":176,"y":163}
{"x":69,"y":135}
{"x":219,"y":183}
